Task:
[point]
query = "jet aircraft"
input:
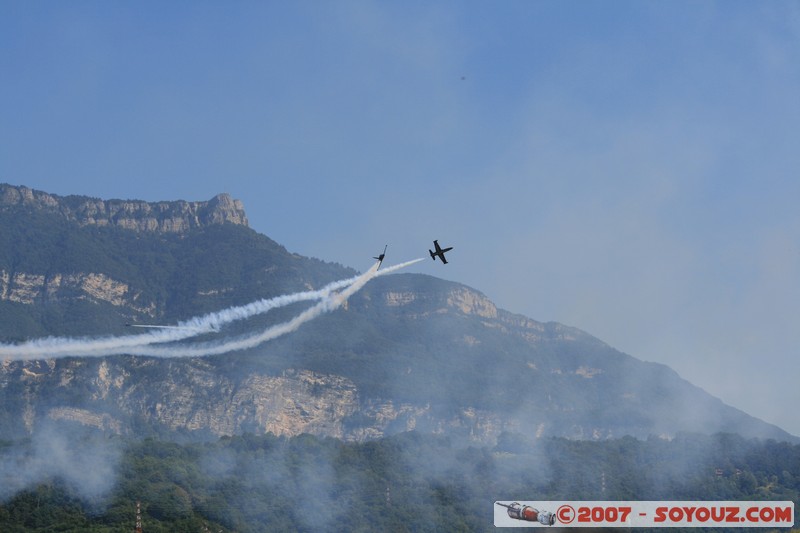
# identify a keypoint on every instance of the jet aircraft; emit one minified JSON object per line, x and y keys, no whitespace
{"x":380,"y":257}
{"x":439,"y":252}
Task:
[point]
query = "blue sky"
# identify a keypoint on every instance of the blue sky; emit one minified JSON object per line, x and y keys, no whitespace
{"x":628,"y":168}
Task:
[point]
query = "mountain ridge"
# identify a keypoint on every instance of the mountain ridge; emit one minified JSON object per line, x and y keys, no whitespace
{"x":409,"y":351}
{"x":164,"y":217}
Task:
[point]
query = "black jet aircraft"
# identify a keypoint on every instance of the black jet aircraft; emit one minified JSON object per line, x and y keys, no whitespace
{"x":380,"y":257}
{"x":439,"y":251}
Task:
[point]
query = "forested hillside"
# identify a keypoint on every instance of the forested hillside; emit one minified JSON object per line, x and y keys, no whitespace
{"x":409,"y":482}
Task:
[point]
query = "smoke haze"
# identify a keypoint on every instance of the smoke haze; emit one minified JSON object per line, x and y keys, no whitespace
{"x":83,"y":460}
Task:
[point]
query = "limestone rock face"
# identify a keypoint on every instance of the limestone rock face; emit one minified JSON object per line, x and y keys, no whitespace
{"x":164,"y":217}
{"x":188,"y":395}
{"x":31,"y":289}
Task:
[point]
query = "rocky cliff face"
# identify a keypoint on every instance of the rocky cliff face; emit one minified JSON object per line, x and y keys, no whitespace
{"x":25,"y":288}
{"x":119,"y":394}
{"x":566,"y":384}
{"x":164,"y":217}
{"x":190,"y":396}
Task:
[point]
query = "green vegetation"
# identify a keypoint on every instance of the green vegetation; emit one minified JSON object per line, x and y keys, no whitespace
{"x":409,"y":482}
{"x":179,"y":275}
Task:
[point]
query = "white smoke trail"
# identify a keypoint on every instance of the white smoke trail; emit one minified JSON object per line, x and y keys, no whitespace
{"x":55,"y":347}
{"x":59,"y":346}
{"x":326,"y":305}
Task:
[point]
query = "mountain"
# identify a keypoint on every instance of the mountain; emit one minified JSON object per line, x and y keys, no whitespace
{"x":78,"y":266}
{"x":407,"y":352}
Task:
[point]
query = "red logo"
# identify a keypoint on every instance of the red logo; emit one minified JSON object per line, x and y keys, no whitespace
{"x":565,"y":514}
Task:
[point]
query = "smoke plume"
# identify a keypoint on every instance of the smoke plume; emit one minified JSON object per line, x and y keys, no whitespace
{"x":142,"y":344}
